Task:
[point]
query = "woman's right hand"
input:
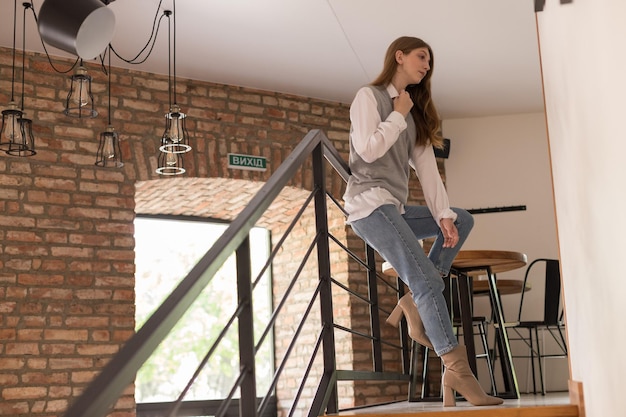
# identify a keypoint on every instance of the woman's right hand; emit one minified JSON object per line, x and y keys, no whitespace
{"x":403,"y":103}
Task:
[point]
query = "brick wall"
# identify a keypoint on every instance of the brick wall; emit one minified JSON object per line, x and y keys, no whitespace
{"x":66,"y":226}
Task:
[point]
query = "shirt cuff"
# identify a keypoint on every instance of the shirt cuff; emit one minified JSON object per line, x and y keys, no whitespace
{"x":447,"y":214}
{"x":398,"y":119}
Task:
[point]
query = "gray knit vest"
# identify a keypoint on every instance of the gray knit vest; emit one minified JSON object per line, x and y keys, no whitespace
{"x":390,"y":171}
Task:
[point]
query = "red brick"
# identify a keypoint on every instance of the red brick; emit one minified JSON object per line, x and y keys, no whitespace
{"x":71,"y":363}
{"x":22,"y":349}
{"x":67,"y":335}
{"x":14,"y":408}
{"x":55,"y":183}
{"x":8,"y":334}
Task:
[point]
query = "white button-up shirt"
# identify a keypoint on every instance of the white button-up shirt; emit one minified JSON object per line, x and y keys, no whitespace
{"x":371,"y":138}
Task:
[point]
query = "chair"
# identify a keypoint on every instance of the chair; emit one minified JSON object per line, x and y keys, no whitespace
{"x":552,"y":322}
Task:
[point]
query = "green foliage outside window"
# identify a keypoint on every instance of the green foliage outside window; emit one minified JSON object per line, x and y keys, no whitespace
{"x":166,"y":250}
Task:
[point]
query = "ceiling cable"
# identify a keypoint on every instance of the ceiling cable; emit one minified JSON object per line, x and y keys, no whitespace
{"x":156,"y":24}
{"x":345,"y":35}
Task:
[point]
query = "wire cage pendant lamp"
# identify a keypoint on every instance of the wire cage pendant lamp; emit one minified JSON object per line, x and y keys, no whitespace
{"x":16,"y":131}
{"x":175,"y":138}
{"x":109,"y":153}
{"x":26,"y":144}
{"x":11,"y":133}
{"x":79,"y":102}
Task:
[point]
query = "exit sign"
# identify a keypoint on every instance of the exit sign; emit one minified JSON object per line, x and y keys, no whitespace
{"x":249,"y":162}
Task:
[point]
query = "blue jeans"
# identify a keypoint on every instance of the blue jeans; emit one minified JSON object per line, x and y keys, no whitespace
{"x":396,"y":238}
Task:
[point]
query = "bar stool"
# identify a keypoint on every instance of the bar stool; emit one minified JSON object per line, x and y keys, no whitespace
{"x":478,"y":322}
{"x":451,"y":294}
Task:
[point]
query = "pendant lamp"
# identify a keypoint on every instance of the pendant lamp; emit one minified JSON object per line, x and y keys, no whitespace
{"x":25,"y":146}
{"x":109,"y":152}
{"x":79,"y":102}
{"x":174,"y":141}
{"x":81,"y":27}
{"x":10,"y":132}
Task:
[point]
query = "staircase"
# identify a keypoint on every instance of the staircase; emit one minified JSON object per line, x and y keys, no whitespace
{"x":314,"y":149}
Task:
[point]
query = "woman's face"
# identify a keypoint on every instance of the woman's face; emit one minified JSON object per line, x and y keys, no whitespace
{"x":413,"y":66}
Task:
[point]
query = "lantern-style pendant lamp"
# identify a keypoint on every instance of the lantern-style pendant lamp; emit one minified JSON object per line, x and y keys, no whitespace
{"x":23,"y":142}
{"x":175,"y":138}
{"x":10,"y":132}
{"x":109,"y":152}
{"x":25,"y":146}
{"x":79,"y":102}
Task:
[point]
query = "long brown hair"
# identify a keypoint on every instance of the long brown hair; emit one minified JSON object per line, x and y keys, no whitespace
{"x":424,"y":112}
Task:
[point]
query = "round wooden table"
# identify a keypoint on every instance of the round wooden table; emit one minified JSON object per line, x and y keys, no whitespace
{"x":476,"y":261}
{"x":508,"y":262}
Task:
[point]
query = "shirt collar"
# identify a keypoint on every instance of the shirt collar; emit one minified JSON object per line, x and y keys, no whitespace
{"x":393,"y":93}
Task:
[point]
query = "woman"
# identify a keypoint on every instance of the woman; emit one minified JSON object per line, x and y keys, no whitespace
{"x":394,"y":127}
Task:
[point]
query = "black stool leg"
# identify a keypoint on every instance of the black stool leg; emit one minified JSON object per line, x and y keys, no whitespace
{"x":483,"y":337}
{"x":543,"y":389}
{"x":415,"y":351}
{"x":425,"y":384}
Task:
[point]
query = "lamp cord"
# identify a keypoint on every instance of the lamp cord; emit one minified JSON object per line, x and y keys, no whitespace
{"x":134,"y":60}
{"x":13,"y":66}
{"x":174,"y":66}
{"x":156,"y":24}
{"x":26,"y":6}
{"x":109,"y":74}
{"x":171,"y":85}
{"x":168,"y":13}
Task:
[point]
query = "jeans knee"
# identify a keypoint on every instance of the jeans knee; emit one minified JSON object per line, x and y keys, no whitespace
{"x":464,"y":218}
{"x":438,"y":285}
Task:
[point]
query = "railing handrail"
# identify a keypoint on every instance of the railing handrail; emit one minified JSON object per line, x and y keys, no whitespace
{"x":332,"y":155}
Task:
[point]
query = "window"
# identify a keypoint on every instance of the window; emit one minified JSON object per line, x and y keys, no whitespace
{"x":166,"y":250}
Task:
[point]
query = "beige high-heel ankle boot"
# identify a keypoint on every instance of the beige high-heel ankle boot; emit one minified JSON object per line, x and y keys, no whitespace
{"x":407,"y":306}
{"x":457,"y":376}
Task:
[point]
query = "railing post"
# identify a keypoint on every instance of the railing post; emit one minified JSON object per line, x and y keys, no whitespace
{"x":328,"y":387}
{"x":247,"y":405}
{"x":405,"y":341}
{"x":372,"y":286}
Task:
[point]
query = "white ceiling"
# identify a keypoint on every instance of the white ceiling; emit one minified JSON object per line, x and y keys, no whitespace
{"x":486,"y":53}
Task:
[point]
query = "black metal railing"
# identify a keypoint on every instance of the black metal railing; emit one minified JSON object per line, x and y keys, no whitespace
{"x":102,"y":393}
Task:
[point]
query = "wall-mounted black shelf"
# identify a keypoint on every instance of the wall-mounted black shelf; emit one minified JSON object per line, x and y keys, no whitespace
{"x":496,"y":209}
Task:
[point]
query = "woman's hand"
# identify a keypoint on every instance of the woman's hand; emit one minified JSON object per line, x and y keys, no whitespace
{"x":450,"y":233}
{"x":403,"y":103}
